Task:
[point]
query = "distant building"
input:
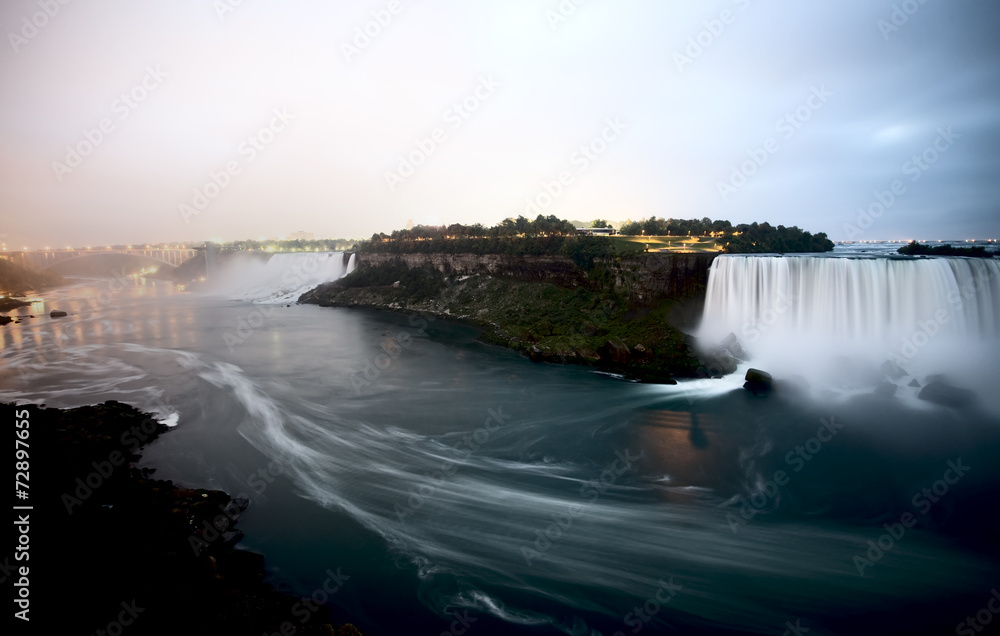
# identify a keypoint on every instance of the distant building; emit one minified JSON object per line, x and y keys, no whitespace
{"x":409,"y":224}
{"x":596,"y":231}
{"x":301,"y":236}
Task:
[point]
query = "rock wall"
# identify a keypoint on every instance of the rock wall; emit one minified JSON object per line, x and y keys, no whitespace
{"x":556,"y":269}
{"x":648,"y":277}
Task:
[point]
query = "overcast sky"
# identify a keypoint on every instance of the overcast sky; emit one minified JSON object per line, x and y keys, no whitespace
{"x":350,"y":117}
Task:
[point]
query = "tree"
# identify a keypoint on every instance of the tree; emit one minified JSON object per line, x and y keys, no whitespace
{"x":599,"y":223}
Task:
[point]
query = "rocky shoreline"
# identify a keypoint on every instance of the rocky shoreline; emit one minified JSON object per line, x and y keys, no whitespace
{"x":587,"y":325}
{"x":111,"y":536}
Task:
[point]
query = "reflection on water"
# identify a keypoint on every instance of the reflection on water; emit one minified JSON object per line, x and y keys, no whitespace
{"x":562,"y":515}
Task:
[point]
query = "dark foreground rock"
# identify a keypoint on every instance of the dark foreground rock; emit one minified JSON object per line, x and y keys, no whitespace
{"x":758,"y":382}
{"x":57,"y":314}
{"x":105,"y":536}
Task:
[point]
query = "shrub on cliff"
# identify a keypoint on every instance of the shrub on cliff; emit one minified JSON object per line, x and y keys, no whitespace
{"x":415,"y":283}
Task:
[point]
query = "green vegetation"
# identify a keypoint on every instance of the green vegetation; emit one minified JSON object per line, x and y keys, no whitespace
{"x":549,"y":235}
{"x":742,"y":239}
{"x":414,"y":284}
{"x":545,"y":236}
{"x":597,"y":325}
{"x":919,"y":249}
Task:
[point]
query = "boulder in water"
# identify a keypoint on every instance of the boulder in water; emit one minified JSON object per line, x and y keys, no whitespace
{"x":939,"y":392}
{"x":716,"y":361}
{"x":885,"y":389}
{"x":758,"y":381}
{"x":732,"y":344}
{"x":56,"y":313}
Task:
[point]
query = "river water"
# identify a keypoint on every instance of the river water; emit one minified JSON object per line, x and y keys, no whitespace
{"x":455,"y":487}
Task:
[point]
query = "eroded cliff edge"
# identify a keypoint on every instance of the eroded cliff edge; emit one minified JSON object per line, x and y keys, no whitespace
{"x":623,"y":315}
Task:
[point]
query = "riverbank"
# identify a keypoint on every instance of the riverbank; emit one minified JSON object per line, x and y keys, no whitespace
{"x":17,"y":281}
{"x":106,"y":535}
{"x":591,"y":322}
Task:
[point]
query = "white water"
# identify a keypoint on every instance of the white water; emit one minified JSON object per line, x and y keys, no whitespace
{"x":796,"y":314}
{"x":283,"y":278}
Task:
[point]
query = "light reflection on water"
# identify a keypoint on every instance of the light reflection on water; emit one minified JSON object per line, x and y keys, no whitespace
{"x":349,"y":457}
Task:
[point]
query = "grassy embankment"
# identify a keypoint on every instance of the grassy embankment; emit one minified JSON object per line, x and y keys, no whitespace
{"x":589,"y":324}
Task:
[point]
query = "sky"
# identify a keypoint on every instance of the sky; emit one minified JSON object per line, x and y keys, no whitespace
{"x":133,"y":121}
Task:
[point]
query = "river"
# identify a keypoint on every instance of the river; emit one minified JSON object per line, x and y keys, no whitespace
{"x":455,"y":487}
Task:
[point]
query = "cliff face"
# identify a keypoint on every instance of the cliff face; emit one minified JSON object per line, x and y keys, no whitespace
{"x":559,"y":270}
{"x":621,"y":315}
{"x":648,"y":278}
{"x":655,"y":276}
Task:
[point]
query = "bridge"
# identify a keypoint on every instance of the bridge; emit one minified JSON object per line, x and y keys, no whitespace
{"x":38,"y":260}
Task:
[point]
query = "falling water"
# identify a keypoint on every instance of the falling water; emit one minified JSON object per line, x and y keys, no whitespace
{"x":796,"y":313}
{"x":284,"y":277}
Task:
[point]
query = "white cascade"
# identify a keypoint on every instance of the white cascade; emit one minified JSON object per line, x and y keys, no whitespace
{"x":792,"y":313}
{"x":285,"y":277}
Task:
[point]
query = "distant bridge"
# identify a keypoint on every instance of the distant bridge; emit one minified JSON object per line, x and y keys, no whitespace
{"x":38,"y":260}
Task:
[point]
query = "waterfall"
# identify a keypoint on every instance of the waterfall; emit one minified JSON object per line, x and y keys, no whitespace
{"x":803,"y":309}
{"x":285,"y":277}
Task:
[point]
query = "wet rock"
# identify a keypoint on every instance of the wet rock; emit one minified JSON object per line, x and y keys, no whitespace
{"x":717,"y":361}
{"x":616,"y":351}
{"x":939,"y":392}
{"x":885,"y":389}
{"x":56,"y":313}
{"x":732,"y":344}
{"x":535,"y":354}
{"x":914,"y":383}
{"x":758,"y":382}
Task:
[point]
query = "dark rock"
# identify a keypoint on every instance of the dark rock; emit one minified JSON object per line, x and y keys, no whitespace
{"x":5,"y":319}
{"x":732,"y":344}
{"x":938,"y":392}
{"x":56,"y":314}
{"x":758,"y":382}
{"x":716,"y":361}
{"x":914,"y":383}
{"x":535,"y":354}
{"x":588,"y":354}
{"x":886,"y":389}
{"x":616,"y":351}
{"x":891,"y":370}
